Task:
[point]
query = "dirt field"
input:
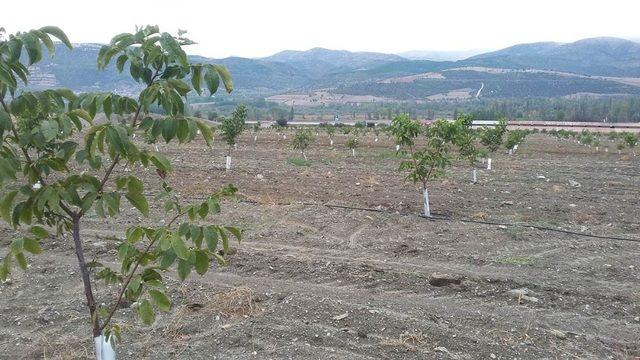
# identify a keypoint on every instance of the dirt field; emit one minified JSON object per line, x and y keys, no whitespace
{"x":313,"y":282}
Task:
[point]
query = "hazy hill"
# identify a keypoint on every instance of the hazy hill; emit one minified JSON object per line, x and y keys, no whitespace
{"x":512,"y":72}
{"x":439,"y":55}
{"x":318,"y":61}
{"x":596,"y":56}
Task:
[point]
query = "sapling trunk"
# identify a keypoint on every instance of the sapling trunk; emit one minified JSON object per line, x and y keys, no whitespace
{"x":103,"y":349}
{"x":86,"y":281}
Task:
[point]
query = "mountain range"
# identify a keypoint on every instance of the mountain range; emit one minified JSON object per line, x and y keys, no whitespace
{"x":594,"y":67}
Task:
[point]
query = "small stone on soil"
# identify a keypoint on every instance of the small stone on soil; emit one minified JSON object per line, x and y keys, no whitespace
{"x":438,"y":279}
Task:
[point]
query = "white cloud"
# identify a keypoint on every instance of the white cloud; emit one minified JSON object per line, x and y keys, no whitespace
{"x":259,"y":28}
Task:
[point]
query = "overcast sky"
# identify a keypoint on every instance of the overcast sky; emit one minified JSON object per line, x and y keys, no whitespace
{"x":254,"y":28}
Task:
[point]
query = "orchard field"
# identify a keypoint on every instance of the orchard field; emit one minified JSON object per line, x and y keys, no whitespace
{"x":377,"y":282}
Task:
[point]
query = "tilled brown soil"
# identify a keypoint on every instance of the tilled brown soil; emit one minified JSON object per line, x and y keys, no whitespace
{"x":314,"y":282}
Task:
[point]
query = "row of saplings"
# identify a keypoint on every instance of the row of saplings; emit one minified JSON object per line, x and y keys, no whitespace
{"x":595,"y":140}
{"x":426,"y":150}
{"x":430,"y":150}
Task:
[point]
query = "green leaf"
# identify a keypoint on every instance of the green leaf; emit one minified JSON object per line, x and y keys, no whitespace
{"x":173,"y":47}
{"x":139,"y":201}
{"x":183,"y":130}
{"x":226,"y":77}
{"x":145,"y":311}
{"x":202,"y":262}
{"x":167,"y":259}
{"x":134,"y":234}
{"x":32,"y":246}
{"x":49,"y":130}
{"x":6,"y":205}
{"x":235,"y":231}
{"x":135,"y":283}
{"x":212,"y":80}
{"x":17,"y":246}
{"x":39,"y":231}
{"x":160,"y":299}
{"x":55,"y":31}
{"x":211,"y":237}
{"x":135,"y":185}
{"x":206,"y":132}
{"x":179,"y":247}
{"x":169,"y":129}
{"x":160,"y":161}
{"x":5,"y":268}
{"x":22,"y":261}
{"x":184,"y":268}
{"x":196,"y":78}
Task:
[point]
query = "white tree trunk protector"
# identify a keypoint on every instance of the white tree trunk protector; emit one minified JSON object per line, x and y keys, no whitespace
{"x":425,"y":203}
{"x":489,"y":164}
{"x":397,"y":147}
{"x":510,"y":151}
{"x":331,"y":142}
{"x":255,"y":138}
{"x":515,"y":147}
{"x":228,"y":162}
{"x":475,"y":176}
{"x":104,"y":350}
{"x":353,"y":152}
{"x":376,"y":140}
{"x":157,"y":148}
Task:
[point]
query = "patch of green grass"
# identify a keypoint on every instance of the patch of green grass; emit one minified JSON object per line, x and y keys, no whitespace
{"x":520,"y":260}
{"x":298,"y":161}
{"x":388,"y":154}
{"x":516,"y":233}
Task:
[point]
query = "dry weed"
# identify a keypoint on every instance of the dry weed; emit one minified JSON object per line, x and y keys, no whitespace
{"x":407,"y":340}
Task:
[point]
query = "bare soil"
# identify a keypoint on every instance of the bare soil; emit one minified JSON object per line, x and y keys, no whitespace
{"x":313,"y":282}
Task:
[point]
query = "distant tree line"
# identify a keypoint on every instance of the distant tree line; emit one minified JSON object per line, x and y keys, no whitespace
{"x":613,"y":109}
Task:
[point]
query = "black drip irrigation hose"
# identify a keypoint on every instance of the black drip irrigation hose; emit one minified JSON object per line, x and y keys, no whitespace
{"x":447,"y":218}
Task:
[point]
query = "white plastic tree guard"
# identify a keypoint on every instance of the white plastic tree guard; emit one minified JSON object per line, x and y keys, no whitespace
{"x":425,"y":203}
{"x":104,"y":350}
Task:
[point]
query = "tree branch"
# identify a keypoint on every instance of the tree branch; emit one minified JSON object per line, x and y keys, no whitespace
{"x":125,"y":285}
